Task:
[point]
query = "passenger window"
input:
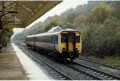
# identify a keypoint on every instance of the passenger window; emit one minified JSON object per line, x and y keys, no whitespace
{"x":52,"y":39}
{"x":56,"y":39}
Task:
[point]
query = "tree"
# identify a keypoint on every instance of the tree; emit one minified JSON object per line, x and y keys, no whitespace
{"x":49,"y":26}
{"x":79,"y":21}
{"x":100,"y":13}
{"x":71,"y":17}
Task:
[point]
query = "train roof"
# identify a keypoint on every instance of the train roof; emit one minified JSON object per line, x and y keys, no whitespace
{"x":46,"y":33}
{"x":69,"y":30}
{"x":55,"y":29}
{"x":52,"y":33}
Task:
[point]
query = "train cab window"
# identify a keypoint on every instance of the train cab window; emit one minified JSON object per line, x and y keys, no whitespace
{"x":77,"y":39}
{"x":63,"y":37}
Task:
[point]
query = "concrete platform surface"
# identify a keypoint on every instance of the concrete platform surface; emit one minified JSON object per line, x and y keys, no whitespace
{"x":31,"y":68}
{"x":10,"y":66}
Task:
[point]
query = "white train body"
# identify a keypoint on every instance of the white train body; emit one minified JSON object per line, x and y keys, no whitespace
{"x":66,"y":43}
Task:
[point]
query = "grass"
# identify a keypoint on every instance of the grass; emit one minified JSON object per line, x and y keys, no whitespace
{"x":109,"y":61}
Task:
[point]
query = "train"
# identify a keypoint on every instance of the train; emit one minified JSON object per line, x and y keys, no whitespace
{"x":63,"y":44}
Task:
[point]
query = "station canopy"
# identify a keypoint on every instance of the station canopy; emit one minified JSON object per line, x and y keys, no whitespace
{"x":24,"y":12}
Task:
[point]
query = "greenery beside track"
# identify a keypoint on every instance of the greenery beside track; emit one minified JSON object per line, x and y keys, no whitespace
{"x":109,"y":61}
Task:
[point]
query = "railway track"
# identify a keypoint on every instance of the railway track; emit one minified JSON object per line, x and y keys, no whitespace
{"x":36,"y":58}
{"x":88,"y":71}
{"x":103,"y":68}
{"x":85,"y":59}
{"x":88,"y":75}
{"x":93,"y":72}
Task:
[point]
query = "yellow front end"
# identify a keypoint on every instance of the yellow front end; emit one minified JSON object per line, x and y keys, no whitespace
{"x":63,"y":47}
{"x":70,"y":44}
{"x":78,"y":47}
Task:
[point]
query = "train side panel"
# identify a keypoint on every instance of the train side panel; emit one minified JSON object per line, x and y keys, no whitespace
{"x":30,"y":41}
{"x":48,"y":42}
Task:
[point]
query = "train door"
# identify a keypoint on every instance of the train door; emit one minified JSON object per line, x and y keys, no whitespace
{"x":78,"y":44}
{"x":71,"y":42}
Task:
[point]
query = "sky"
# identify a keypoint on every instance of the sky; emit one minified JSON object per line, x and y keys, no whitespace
{"x":63,"y":6}
{"x":57,"y":10}
{"x":18,"y":30}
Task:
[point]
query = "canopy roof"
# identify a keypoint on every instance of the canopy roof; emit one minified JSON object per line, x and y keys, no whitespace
{"x":24,"y":12}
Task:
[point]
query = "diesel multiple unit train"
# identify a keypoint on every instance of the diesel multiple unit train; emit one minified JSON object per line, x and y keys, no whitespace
{"x":63,"y":44}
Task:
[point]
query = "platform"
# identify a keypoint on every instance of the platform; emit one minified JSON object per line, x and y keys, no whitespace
{"x":10,"y":66}
{"x":32,"y":70}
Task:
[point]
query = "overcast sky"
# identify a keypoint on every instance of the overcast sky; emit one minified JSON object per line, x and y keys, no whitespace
{"x":63,"y":6}
{"x":57,"y":10}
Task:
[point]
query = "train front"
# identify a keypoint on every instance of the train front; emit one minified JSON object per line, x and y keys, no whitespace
{"x":70,"y":44}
